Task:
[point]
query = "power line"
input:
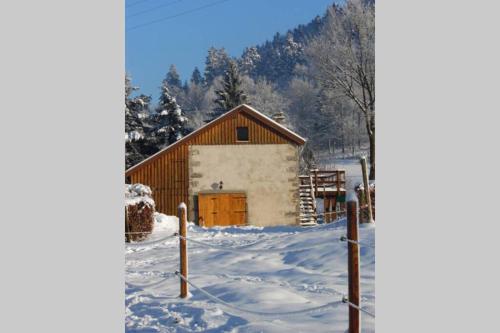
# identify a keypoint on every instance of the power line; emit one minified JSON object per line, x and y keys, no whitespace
{"x":177,"y":15}
{"x":153,"y":9}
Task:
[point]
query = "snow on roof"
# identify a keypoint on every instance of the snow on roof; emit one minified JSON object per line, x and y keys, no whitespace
{"x":246,"y":106}
{"x":273,"y":122}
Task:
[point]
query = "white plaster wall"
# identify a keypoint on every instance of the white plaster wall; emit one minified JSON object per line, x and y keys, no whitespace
{"x":267,"y":173}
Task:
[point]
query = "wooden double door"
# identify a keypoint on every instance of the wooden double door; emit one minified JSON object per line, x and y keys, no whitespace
{"x":222,"y":208}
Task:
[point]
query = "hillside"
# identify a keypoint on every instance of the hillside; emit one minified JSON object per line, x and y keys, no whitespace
{"x":277,"y":59}
{"x":281,"y":75}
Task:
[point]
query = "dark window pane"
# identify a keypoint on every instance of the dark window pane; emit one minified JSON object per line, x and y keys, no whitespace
{"x":242,"y":133}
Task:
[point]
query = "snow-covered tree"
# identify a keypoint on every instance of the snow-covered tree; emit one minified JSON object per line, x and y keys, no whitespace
{"x":196,"y":77}
{"x":173,"y":79}
{"x":170,"y":122}
{"x":292,"y":48}
{"x":249,"y":61}
{"x":216,"y":63}
{"x":343,"y":59}
{"x":194,"y":104}
{"x":263,"y":96}
{"x":302,"y":107}
{"x":136,"y":112}
{"x":230,"y":95}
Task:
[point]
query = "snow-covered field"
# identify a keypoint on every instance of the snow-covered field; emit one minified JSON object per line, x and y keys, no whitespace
{"x":351,"y":167}
{"x":309,"y":272}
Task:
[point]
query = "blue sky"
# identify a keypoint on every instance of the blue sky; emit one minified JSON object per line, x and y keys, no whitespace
{"x":185,"y":39}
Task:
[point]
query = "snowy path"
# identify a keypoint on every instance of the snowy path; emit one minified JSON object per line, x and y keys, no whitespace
{"x":294,"y":279}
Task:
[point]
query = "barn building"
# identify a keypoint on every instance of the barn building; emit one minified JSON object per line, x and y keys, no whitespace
{"x":241,"y":168}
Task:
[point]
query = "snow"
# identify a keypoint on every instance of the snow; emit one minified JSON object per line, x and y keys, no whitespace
{"x":351,"y":166}
{"x":136,"y":193}
{"x":133,"y":136}
{"x":165,"y":225}
{"x":269,"y":281}
{"x":371,"y":184}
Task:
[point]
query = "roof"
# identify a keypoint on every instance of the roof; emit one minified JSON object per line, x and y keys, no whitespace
{"x":290,"y":135}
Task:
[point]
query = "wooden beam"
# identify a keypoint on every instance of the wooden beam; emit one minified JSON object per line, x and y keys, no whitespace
{"x":367,"y":188}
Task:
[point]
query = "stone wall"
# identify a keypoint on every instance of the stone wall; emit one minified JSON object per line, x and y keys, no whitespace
{"x":267,"y":173}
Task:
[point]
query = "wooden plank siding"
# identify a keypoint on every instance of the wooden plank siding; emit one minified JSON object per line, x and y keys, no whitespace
{"x":167,"y":172}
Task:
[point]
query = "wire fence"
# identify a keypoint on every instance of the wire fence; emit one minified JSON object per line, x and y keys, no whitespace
{"x":316,"y":228}
{"x":155,"y":242}
{"x":246,"y":249}
{"x":243,"y":249}
{"x":259,"y":313}
{"x":346,"y":300}
{"x":345,"y":239}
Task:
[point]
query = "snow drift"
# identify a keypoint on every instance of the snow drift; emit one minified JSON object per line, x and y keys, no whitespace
{"x":309,"y":270}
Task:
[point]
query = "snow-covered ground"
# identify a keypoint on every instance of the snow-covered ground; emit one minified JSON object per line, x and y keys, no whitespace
{"x":351,"y":166}
{"x":310,"y":271}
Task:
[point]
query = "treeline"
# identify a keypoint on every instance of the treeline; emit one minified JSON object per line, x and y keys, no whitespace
{"x":320,"y":75}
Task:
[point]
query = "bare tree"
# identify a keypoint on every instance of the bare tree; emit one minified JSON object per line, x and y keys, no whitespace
{"x":343,"y":60}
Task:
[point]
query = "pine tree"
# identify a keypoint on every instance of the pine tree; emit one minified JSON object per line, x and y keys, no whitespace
{"x":173,"y":79}
{"x":215,"y":64}
{"x":136,"y":110}
{"x":171,"y":123}
{"x":196,"y":77}
{"x":249,"y":61}
{"x":231,"y":94}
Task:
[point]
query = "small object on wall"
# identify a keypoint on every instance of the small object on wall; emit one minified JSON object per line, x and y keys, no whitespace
{"x":221,"y":184}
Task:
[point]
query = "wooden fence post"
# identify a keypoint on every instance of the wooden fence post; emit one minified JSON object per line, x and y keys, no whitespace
{"x":182,"y":214}
{"x":367,"y":188}
{"x":127,"y":227}
{"x":353,"y":264}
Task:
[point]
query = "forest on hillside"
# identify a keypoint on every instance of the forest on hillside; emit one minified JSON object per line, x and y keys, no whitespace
{"x":320,"y":75}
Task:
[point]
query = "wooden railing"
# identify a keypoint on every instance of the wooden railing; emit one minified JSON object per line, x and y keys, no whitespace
{"x":313,"y":194}
{"x":325,"y":179}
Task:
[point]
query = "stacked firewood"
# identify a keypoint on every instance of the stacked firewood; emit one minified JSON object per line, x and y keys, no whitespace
{"x":139,"y":212}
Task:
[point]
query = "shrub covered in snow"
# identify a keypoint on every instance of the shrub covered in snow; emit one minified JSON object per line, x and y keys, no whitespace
{"x":140,"y":209}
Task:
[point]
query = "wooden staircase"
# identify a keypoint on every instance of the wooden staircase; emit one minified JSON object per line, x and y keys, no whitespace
{"x":308,"y":214}
{"x":326,"y":185}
